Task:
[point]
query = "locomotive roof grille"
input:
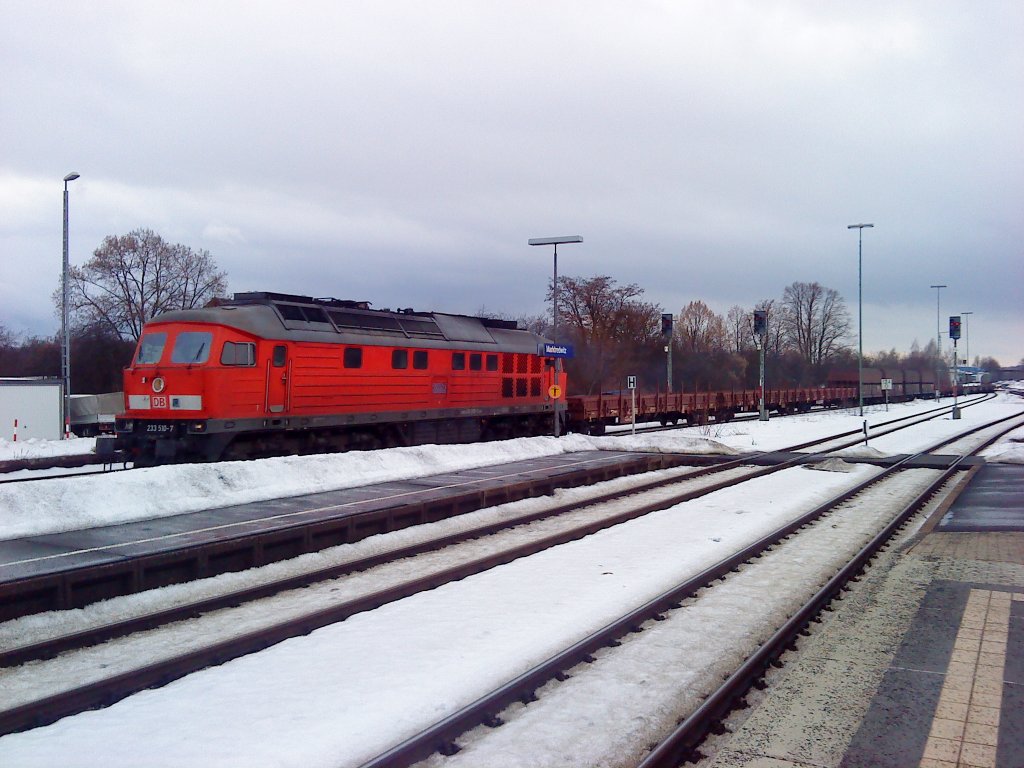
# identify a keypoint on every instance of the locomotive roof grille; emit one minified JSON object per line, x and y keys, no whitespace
{"x":265,"y":297}
{"x":421,"y":329}
{"x":320,"y":315}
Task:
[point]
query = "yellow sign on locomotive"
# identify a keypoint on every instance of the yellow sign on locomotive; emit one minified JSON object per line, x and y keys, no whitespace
{"x":555,"y":391}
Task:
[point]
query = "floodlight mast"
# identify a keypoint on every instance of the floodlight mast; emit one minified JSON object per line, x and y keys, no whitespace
{"x":555,"y":241}
{"x":860,"y":315}
{"x":938,"y":338}
{"x":65,"y":335}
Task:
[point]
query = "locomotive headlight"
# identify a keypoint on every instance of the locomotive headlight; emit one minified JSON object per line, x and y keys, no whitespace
{"x":196,"y":427}
{"x":159,"y":384}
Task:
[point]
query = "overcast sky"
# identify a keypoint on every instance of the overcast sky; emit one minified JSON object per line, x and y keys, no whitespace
{"x":404,"y":152}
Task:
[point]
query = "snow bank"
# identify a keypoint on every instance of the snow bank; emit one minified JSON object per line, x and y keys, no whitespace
{"x":29,"y":509}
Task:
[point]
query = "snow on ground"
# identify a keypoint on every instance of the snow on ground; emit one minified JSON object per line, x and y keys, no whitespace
{"x":337,"y":695}
{"x":34,"y":448}
{"x":57,"y":505}
{"x":343,"y":693}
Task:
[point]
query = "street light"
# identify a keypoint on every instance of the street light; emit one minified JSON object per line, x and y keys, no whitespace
{"x":938,"y":337}
{"x":65,"y":346}
{"x":555,"y":241}
{"x":967,"y":337}
{"x":860,"y":315}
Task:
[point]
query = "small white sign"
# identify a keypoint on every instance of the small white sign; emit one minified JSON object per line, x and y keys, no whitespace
{"x":886,"y":383}
{"x":631,"y":382}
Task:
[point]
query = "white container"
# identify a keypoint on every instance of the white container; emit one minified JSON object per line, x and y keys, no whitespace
{"x":34,"y":404}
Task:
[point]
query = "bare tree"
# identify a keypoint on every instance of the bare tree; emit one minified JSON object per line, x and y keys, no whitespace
{"x":610,"y":326}
{"x":132,"y":278}
{"x":739,"y":325}
{"x":700,"y":329}
{"x":814,"y":321}
{"x":7,"y":337}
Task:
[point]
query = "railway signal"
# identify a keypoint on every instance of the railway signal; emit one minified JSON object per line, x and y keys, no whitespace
{"x":666,"y":333}
{"x":760,"y":330}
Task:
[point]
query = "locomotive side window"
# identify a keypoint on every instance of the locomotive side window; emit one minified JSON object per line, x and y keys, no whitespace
{"x":280,"y":355}
{"x":492,"y":363}
{"x":399,"y":359}
{"x":192,"y":347}
{"x":238,"y":353}
{"x":419,"y":359}
{"x":458,"y":361}
{"x":151,"y":348}
{"x":476,"y":361}
{"x":353,"y":357}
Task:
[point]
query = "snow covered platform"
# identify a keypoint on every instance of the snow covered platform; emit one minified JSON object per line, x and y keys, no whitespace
{"x":992,"y":502}
{"x":74,"y":568}
{"x":921,"y":665}
{"x":922,"y":461}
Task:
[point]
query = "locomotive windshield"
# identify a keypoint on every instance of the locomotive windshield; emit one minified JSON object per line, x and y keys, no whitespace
{"x":151,"y":348}
{"x":192,"y":347}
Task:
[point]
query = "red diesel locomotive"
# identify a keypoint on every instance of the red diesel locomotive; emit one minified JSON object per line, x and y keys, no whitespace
{"x":273,"y":374}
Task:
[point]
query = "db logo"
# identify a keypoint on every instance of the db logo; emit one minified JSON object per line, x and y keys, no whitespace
{"x":160,"y":402}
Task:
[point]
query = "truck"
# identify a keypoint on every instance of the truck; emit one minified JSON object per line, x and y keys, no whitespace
{"x":93,"y":415}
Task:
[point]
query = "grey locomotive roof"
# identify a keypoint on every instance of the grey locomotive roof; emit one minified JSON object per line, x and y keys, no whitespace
{"x":295,"y":318}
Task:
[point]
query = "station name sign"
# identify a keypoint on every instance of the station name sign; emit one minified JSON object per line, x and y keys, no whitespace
{"x":556,"y":350}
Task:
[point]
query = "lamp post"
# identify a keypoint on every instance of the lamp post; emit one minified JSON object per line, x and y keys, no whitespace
{"x":860,"y":314}
{"x":65,"y":345}
{"x":938,"y":337}
{"x":967,"y":337}
{"x":555,"y":241}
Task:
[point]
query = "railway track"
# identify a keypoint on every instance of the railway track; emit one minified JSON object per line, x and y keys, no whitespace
{"x":285,"y":531}
{"x":109,"y":688}
{"x":681,"y":745}
{"x":724,"y":471}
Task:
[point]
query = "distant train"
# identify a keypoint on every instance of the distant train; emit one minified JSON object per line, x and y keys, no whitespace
{"x":906,"y":384}
{"x":274,"y":374}
{"x":593,"y":414}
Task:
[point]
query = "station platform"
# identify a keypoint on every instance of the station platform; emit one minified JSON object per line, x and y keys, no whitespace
{"x":921,"y":664}
{"x":72,"y":569}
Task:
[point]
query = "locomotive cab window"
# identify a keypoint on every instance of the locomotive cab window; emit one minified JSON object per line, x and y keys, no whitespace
{"x":192,"y":347}
{"x":151,"y":349}
{"x":238,"y":353}
{"x":353,"y":357}
{"x":458,"y":361}
{"x":399,"y":359}
{"x":475,"y":361}
{"x":419,"y":359}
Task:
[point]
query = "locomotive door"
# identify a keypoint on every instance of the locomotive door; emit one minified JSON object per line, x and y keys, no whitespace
{"x":439,"y":391}
{"x":277,"y":379}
